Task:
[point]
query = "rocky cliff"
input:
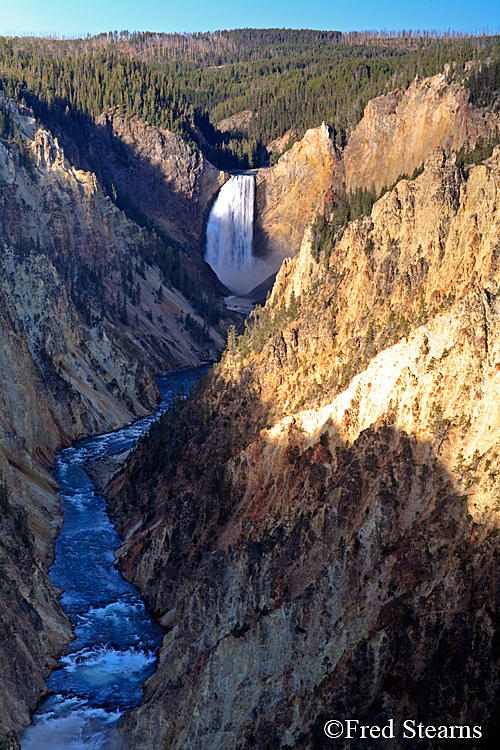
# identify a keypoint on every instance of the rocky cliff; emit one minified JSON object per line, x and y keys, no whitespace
{"x":86,"y":321}
{"x":156,"y":171}
{"x":322,"y":540}
{"x":397,"y":133}
{"x":289,"y":194}
{"x":49,"y":206}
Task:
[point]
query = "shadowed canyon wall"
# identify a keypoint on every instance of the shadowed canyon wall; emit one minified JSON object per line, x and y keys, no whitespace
{"x":169,"y":182}
{"x":85,"y":325}
{"x":324,"y":537}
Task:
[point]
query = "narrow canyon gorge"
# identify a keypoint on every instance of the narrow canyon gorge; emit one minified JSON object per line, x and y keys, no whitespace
{"x":316,"y":525}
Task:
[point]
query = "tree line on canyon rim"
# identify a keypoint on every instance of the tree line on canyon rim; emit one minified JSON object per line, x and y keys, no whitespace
{"x":290,"y":80}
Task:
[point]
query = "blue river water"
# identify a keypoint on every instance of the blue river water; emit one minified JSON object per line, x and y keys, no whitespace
{"x":102,"y":671}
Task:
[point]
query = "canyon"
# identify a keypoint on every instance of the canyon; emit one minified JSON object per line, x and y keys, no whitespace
{"x":325,"y":535}
{"x":85,"y":325}
{"x":325,"y":515}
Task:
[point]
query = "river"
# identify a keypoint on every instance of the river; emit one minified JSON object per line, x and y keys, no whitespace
{"x":102,"y":671}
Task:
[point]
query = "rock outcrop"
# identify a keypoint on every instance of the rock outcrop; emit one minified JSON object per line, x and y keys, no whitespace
{"x":399,"y":131}
{"x":238,"y":123}
{"x":156,"y":171}
{"x":290,"y":194}
{"x":325,"y":535}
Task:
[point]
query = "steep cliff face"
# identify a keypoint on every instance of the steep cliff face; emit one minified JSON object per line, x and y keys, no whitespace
{"x":399,"y":131}
{"x":289,"y":194}
{"x":155,"y":170}
{"x":324,"y":538}
{"x":85,"y":324}
{"x":49,"y":206}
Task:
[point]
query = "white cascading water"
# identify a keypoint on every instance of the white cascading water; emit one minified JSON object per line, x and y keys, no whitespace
{"x":229,"y":248}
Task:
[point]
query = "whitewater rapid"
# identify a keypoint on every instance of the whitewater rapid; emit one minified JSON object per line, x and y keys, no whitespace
{"x":102,"y":671}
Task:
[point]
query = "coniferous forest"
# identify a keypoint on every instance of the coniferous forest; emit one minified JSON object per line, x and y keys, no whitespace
{"x":285,"y":80}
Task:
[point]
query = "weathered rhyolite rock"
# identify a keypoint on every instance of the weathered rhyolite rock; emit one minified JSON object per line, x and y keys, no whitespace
{"x":290,"y":194}
{"x":397,"y":133}
{"x":171,"y":183}
{"x":67,"y":370}
{"x":325,"y":535}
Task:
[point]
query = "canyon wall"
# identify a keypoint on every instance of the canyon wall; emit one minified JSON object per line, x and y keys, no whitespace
{"x":48,"y":206}
{"x":170,"y":183}
{"x":85,"y":325}
{"x":60,"y":380}
{"x":323,"y":541}
{"x":291,"y":193}
{"x":397,"y":133}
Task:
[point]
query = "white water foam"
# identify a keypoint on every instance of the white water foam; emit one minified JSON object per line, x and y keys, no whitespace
{"x":229,"y":249}
{"x":101,"y":664}
{"x":103,"y":670}
{"x":70,"y":724}
{"x":114,"y":610}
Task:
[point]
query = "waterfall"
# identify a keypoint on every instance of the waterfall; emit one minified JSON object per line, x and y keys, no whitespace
{"x":229,"y":248}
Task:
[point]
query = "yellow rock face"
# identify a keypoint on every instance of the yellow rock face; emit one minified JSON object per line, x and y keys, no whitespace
{"x":349,"y":559}
{"x":399,"y":131}
{"x":291,"y":193}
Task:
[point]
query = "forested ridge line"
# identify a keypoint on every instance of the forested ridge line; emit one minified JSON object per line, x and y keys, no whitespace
{"x":288,"y":79}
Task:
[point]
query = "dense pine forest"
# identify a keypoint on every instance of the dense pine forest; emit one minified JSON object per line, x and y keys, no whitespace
{"x":286,"y":81}
{"x":271,"y":82}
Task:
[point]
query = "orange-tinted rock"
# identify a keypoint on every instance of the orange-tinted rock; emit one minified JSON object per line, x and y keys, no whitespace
{"x":289,"y":195}
{"x":326,"y":544}
{"x":399,"y":131}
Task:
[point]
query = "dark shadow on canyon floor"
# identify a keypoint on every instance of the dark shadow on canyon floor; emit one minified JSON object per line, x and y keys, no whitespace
{"x":390,"y":591}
